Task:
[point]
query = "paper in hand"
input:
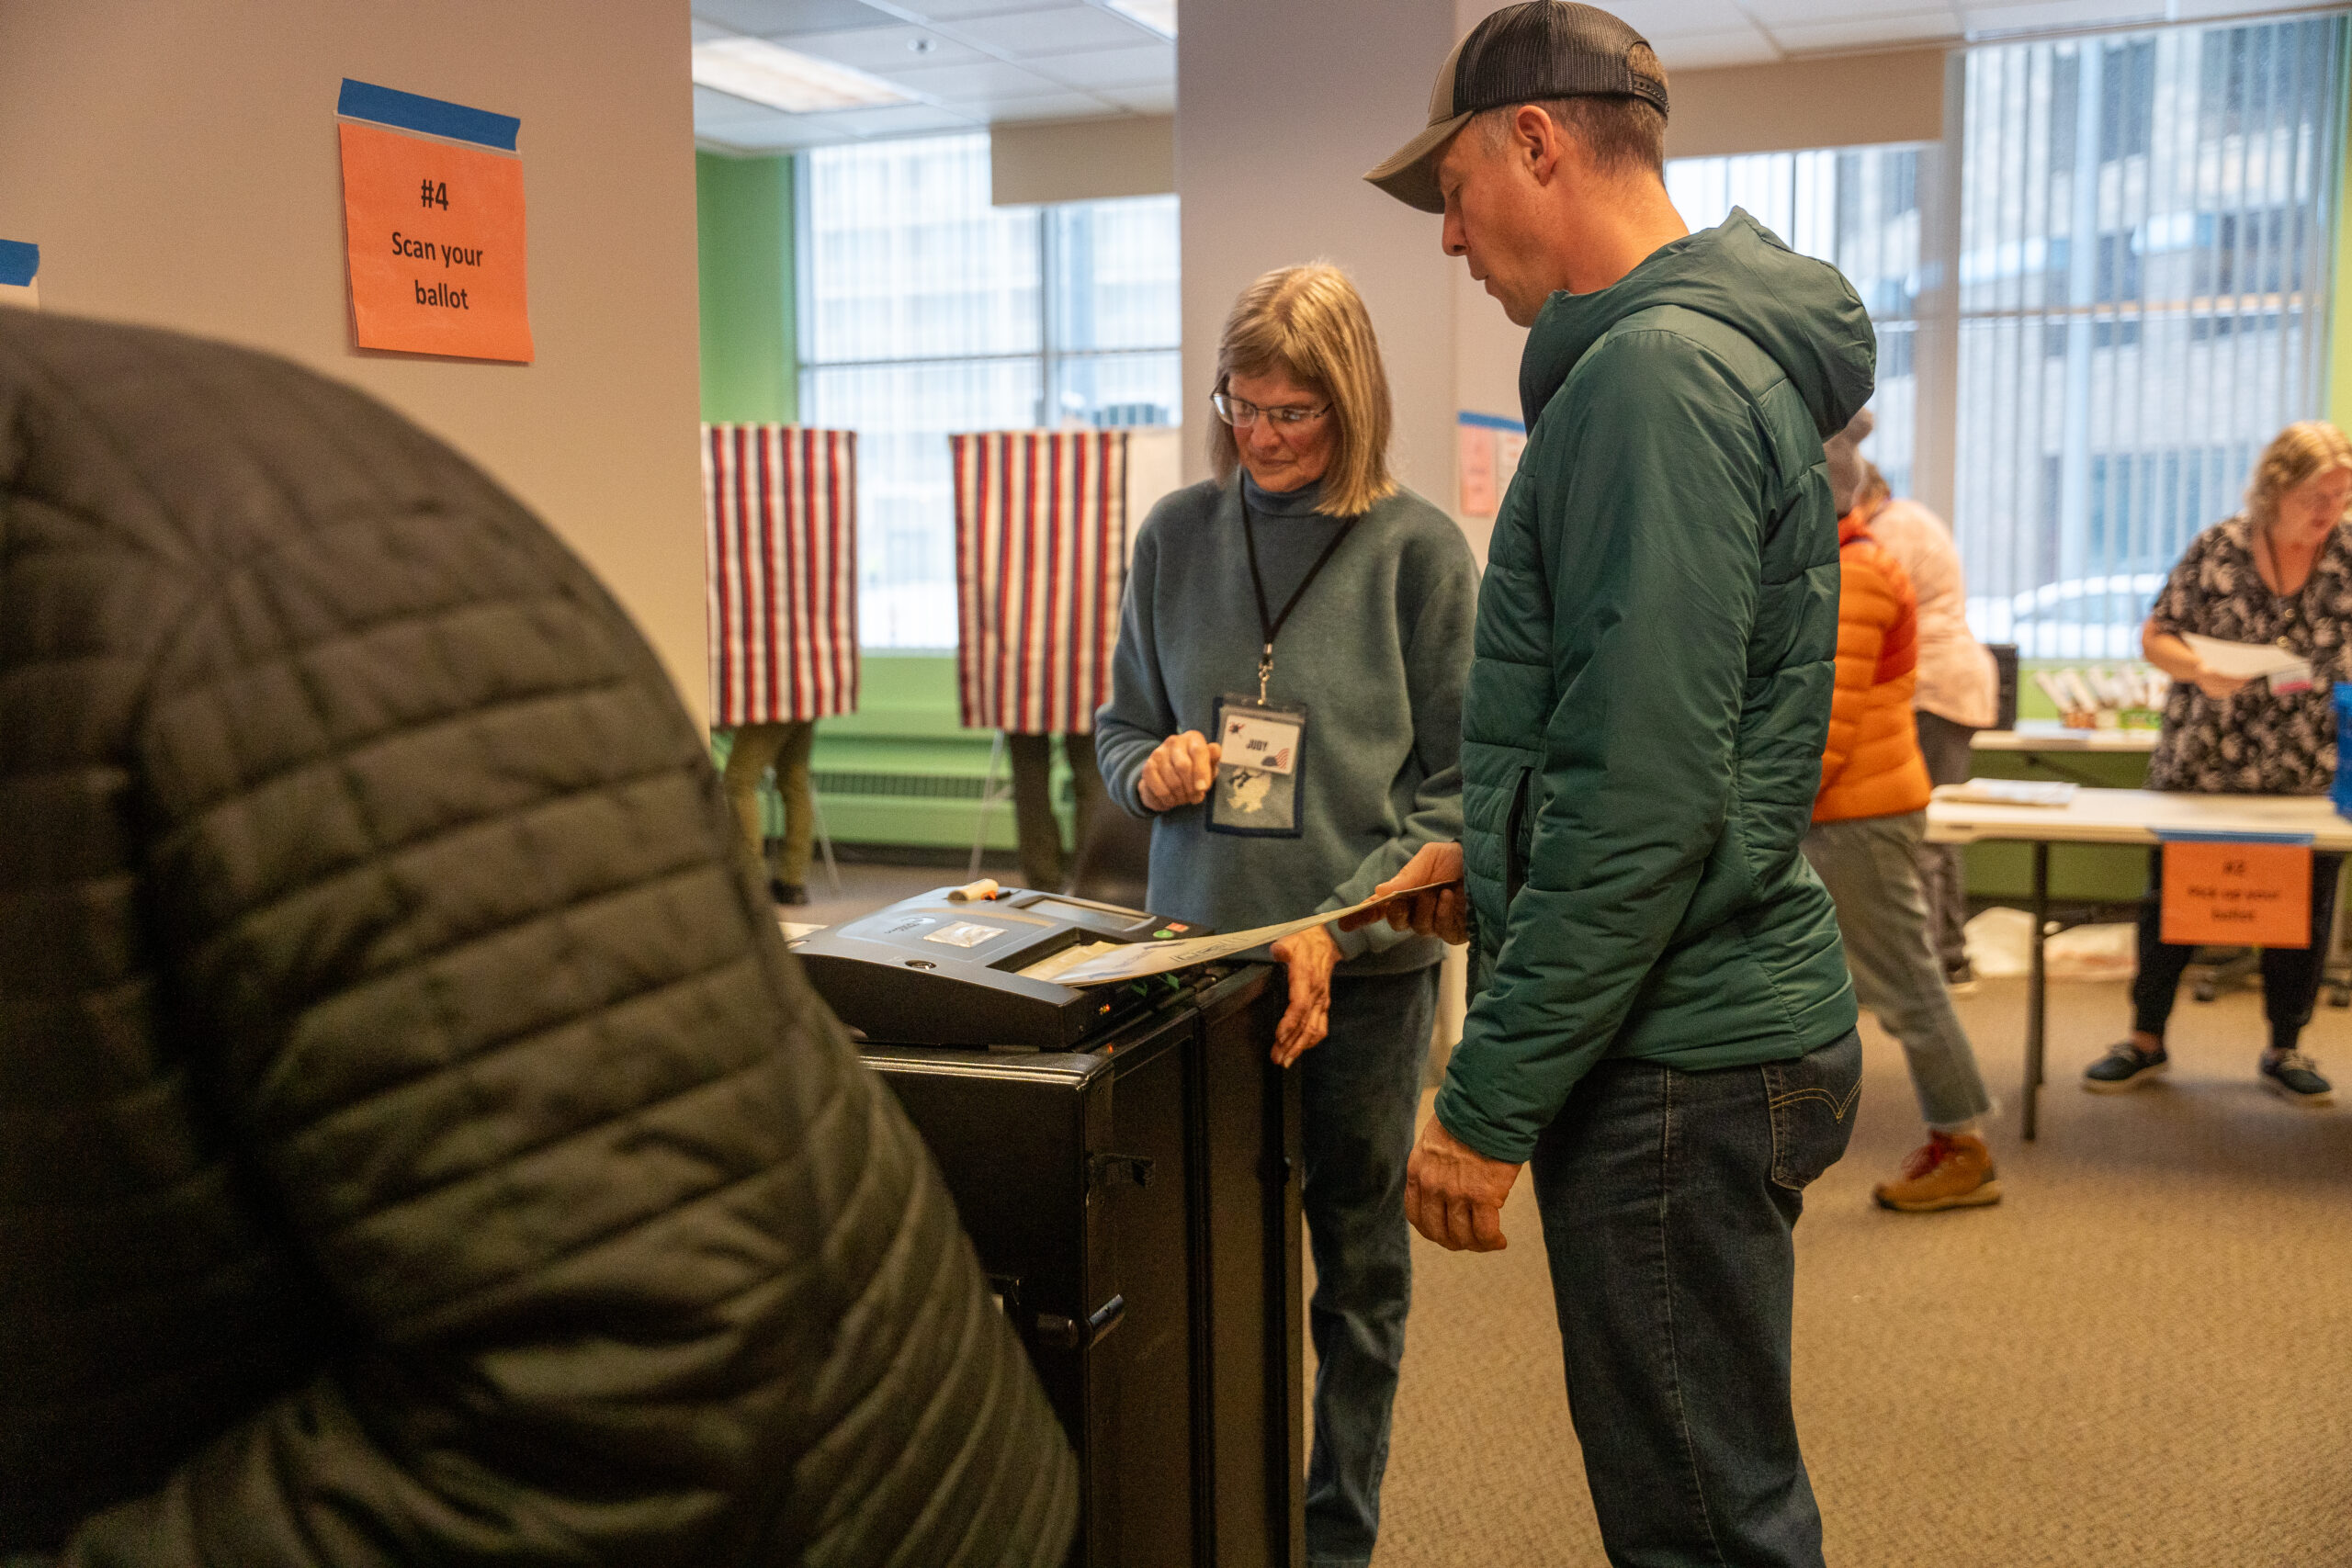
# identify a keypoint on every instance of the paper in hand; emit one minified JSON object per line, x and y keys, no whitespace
{"x":2241,"y":660}
{"x":1135,"y":960}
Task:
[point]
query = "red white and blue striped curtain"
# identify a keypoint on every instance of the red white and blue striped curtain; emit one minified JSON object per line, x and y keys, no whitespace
{"x":1041,"y":556}
{"x":780,"y":504}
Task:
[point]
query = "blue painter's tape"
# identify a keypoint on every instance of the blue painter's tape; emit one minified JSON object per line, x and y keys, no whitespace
{"x":2202,"y":836}
{"x":409,"y":111}
{"x":19,"y":262}
{"x":1490,"y":421}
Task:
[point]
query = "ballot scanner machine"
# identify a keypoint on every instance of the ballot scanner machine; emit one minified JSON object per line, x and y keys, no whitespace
{"x":954,"y":967}
{"x":1126,"y":1160}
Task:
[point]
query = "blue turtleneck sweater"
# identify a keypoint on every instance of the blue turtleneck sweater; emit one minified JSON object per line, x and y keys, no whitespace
{"x":1378,"y":650}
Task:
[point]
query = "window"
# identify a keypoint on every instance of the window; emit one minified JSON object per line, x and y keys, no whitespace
{"x":2143,"y":242}
{"x":2141,"y":308}
{"x":926,"y":311}
{"x":1858,"y":210}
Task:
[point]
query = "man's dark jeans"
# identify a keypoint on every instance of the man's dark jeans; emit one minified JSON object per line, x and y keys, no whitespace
{"x":1362,"y":1091}
{"x":1668,"y":1199}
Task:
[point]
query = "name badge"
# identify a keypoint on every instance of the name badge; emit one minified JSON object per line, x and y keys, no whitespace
{"x":1260,"y":767}
{"x":1252,"y":740}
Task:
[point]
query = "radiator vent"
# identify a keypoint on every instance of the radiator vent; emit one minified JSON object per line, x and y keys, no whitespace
{"x":902,"y":786}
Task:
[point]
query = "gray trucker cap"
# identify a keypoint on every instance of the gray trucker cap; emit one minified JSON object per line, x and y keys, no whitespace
{"x":1521,"y":54}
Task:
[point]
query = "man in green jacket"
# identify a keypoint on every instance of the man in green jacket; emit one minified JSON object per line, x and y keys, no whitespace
{"x":1663,"y":1025}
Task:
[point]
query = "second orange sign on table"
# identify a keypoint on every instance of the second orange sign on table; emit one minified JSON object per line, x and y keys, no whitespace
{"x":2237,"y":895}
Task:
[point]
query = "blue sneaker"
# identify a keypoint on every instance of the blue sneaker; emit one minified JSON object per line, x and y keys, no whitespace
{"x":2291,"y":1075}
{"x":2125,"y":1068}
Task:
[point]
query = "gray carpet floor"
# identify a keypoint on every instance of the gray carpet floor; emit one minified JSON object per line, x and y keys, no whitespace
{"x":2138,"y":1357}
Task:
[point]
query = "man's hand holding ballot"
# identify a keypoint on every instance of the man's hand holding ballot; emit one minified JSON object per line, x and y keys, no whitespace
{"x":1454,"y":1194}
{"x":1425,"y":896}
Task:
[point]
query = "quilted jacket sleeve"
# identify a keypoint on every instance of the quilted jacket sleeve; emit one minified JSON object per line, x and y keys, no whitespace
{"x":623,"y":1256}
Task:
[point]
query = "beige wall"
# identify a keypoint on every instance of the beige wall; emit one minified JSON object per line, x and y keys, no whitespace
{"x":1087,"y":160}
{"x":1849,"y":101}
{"x":1282,"y":107}
{"x":176,"y":161}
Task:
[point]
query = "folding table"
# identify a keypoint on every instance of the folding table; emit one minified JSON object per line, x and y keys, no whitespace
{"x":2122,"y":817}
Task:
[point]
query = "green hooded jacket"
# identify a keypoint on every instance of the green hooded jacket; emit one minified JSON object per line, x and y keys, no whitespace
{"x":1642,"y":731}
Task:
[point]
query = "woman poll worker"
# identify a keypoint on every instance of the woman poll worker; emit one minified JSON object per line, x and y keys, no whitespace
{"x":1286,"y":708}
{"x":2279,"y":571}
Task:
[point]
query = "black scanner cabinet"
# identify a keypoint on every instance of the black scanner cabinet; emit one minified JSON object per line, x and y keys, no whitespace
{"x":1135,"y":1205}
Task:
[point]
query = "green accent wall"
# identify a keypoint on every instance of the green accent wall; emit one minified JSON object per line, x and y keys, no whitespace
{"x":2079,"y":874}
{"x":749,"y":344}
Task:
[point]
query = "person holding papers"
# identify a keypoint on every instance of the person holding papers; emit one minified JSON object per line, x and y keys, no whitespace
{"x":1286,"y":706}
{"x":2276,"y":576}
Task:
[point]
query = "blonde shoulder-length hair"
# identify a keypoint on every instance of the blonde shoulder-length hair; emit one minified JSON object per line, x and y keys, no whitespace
{"x":2303,"y":450}
{"x":1309,"y":323}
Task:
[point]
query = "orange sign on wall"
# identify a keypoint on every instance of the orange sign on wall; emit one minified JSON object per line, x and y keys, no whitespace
{"x":434,"y":230}
{"x":2237,"y":895}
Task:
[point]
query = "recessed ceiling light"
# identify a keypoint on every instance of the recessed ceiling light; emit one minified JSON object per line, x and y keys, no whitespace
{"x":1159,"y":15}
{"x":781,"y":78}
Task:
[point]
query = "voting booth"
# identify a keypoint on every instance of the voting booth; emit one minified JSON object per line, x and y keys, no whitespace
{"x":1127,"y":1161}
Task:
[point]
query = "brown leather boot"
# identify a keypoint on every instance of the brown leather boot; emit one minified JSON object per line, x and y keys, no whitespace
{"x":1952,"y":1171}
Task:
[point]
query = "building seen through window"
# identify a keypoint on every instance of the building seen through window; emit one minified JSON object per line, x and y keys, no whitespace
{"x":926,"y":311}
{"x":2143,"y":242}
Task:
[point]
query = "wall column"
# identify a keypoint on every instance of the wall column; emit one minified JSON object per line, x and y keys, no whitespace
{"x":1284,"y":109}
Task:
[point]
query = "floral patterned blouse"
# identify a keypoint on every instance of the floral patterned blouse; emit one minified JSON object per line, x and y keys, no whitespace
{"x":2255,"y":743}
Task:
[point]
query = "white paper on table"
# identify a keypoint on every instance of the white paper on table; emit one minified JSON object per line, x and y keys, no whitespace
{"x":2008,"y":791}
{"x":2240,"y":661}
{"x":1135,"y":960}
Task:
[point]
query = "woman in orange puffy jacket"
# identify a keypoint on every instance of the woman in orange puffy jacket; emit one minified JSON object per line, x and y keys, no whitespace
{"x":1867,"y":822}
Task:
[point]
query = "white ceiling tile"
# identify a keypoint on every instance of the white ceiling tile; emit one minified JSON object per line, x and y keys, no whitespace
{"x":770,"y":18}
{"x":1064,"y":28}
{"x":948,"y":10}
{"x":2220,"y":10}
{"x":1774,"y":15}
{"x":1149,"y":66}
{"x":1825,"y":37}
{"x":1997,"y":17}
{"x":710,"y":103}
{"x":985,"y":79}
{"x":788,"y":133}
{"x":885,"y":51}
{"x":1743,"y":46}
{"x":910,"y":120}
{"x":1062,"y":106}
{"x":1145,"y":100}
{"x":1656,"y":19}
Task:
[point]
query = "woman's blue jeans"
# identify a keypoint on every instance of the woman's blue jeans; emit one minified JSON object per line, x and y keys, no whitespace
{"x":1360,"y":1092}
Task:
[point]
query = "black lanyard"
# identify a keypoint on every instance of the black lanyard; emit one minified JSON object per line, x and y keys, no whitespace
{"x":1271,"y":625}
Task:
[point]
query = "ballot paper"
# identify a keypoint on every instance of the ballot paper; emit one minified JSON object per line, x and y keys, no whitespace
{"x":2008,"y":791}
{"x":1135,"y":960}
{"x":2243,"y":660}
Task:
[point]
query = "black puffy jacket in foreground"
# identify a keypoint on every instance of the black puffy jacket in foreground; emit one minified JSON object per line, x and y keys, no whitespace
{"x":416,"y":1146}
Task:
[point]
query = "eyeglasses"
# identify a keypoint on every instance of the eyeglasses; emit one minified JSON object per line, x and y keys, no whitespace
{"x":1236,"y":413}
